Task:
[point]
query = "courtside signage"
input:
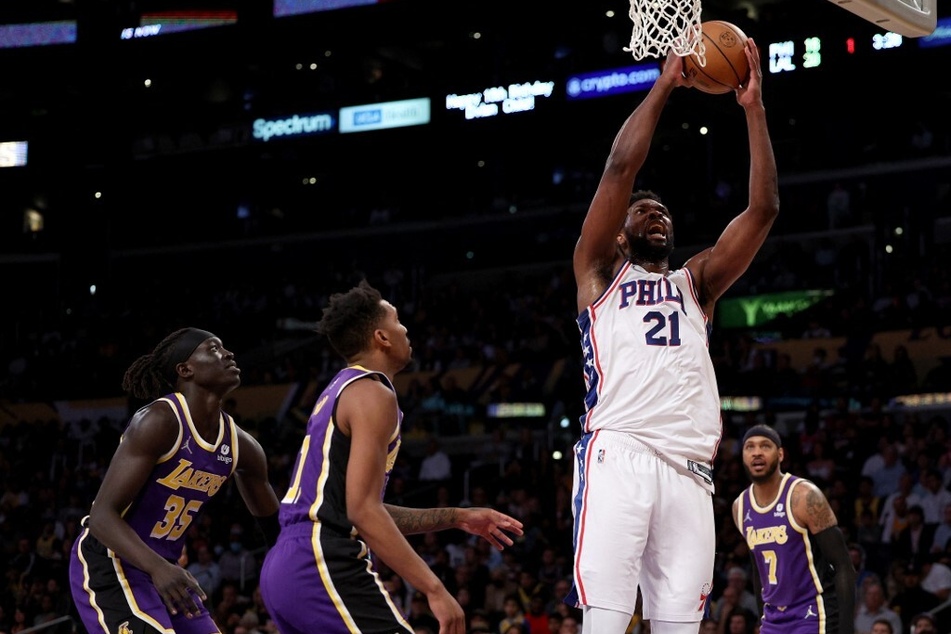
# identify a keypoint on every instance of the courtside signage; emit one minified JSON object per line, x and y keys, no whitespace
{"x":496,"y":100}
{"x":745,"y":312}
{"x":390,"y":114}
{"x":292,"y":126}
{"x":13,"y":153}
{"x":37,"y":34}
{"x":603,"y":83}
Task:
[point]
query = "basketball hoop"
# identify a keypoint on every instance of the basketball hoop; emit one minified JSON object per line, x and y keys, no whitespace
{"x":661,"y":26}
{"x":911,"y":18}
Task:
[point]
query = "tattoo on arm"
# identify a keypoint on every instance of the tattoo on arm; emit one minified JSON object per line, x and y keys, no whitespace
{"x":413,"y":521}
{"x":819,"y":515}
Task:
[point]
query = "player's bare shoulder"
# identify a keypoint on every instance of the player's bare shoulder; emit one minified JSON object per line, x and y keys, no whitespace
{"x":811,"y":508}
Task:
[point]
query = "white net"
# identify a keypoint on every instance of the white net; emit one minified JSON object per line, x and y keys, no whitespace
{"x":661,"y":26}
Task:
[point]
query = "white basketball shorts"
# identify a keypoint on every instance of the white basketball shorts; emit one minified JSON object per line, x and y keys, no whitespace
{"x":638,"y":521}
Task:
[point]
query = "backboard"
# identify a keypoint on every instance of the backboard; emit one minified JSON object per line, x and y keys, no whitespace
{"x":911,"y":18}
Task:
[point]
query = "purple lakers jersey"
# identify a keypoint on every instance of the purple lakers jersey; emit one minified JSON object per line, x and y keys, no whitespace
{"x":797,"y":582}
{"x":317,"y":492}
{"x":186,"y":477}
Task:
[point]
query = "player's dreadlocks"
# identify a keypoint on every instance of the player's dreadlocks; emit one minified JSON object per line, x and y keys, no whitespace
{"x":154,"y":374}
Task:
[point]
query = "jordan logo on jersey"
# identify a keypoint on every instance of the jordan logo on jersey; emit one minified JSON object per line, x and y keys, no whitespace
{"x":809,"y":613}
{"x":187,"y":445}
{"x":748,"y":517}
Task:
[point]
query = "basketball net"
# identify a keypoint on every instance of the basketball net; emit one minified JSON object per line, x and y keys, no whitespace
{"x":661,"y":26}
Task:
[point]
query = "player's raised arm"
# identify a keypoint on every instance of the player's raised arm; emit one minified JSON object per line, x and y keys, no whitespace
{"x":596,"y":253}
{"x":718,"y":267}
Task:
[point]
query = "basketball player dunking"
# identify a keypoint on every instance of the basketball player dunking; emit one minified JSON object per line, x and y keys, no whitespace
{"x":643,"y":482}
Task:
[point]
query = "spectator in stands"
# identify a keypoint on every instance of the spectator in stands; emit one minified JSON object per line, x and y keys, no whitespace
{"x":435,"y":465}
{"x":814,"y":376}
{"x":863,"y":575}
{"x":46,"y":611}
{"x":936,"y":576}
{"x":924,"y":624}
{"x":883,"y":626}
{"x":942,"y":534}
{"x":785,"y":380}
{"x":821,"y":465}
{"x":501,"y":585}
{"x":886,"y":477}
{"x":237,"y":563}
{"x":894,"y":515}
{"x":734,"y":597}
{"x":934,"y":496}
{"x":536,"y":616}
{"x":914,"y":541}
{"x":740,"y":621}
{"x":479,"y":622}
{"x":512,"y":614}
{"x":206,"y":571}
{"x":230,"y":605}
{"x":873,"y":608}
{"x":22,"y":619}
{"x":867,"y":531}
{"x":912,"y":599}
{"x":865,"y":499}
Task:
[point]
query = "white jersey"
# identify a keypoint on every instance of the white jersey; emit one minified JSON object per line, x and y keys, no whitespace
{"x":648,"y":371}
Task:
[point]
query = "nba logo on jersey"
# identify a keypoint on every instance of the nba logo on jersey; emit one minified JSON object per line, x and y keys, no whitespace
{"x":600,"y":456}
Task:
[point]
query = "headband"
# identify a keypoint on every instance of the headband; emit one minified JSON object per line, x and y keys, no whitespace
{"x":765,"y":431}
{"x":183,"y":349}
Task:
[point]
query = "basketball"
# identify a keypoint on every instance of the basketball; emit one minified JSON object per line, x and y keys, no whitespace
{"x":727,"y":67}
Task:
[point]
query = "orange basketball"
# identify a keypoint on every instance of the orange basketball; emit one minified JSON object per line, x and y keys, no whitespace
{"x":726,"y":68}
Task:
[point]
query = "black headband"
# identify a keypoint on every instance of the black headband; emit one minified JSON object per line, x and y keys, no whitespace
{"x":765,"y":431}
{"x":183,"y":349}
